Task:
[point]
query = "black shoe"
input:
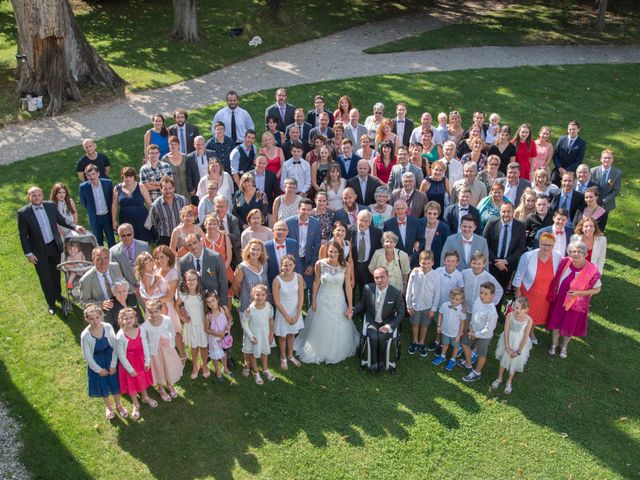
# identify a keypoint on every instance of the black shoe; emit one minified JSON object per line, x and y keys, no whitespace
{"x":231,"y":364}
{"x":432,"y":346}
{"x":51,"y":310}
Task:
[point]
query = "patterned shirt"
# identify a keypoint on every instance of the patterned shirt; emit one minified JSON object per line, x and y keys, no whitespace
{"x":150,"y":174}
{"x":166,"y":217}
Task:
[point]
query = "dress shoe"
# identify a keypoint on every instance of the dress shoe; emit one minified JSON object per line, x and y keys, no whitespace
{"x":51,"y":310}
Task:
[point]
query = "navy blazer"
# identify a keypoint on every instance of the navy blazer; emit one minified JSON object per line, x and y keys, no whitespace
{"x":575,"y":205}
{"x":568,"y":231}
{"x":353,"y":166}
{"x":274,"y":110}
{"x":86,"y":197}
{"x":273,"y":269}
{"x":312,"y":116}
{"x":569,"y":158}
{"x":408,"y":129}
{"x":439,"y":239}
{"x":344,"y":217}
{"x":415,"y":233}
{"x":312,"y":248}
{"x":451,"y":214}
{"x":304,"y":134}
{"x":271,"y":186}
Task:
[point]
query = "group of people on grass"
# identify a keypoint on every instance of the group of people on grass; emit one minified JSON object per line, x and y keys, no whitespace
{"x":382,"y":220}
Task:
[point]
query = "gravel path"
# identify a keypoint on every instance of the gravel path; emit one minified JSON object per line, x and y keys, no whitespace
{"x":308,"y":62}
{"x":10,"y":466}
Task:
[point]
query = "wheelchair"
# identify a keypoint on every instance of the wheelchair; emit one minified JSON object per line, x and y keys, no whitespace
{"x":391,"y":353}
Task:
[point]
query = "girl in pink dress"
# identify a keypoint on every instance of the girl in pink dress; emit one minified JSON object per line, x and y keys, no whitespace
{"x":134,"y":369}
{"x":525,"y":150}
{"x":218,"y":326}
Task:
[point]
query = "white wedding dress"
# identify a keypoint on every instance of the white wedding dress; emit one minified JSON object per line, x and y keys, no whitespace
{"x":328,"y":336}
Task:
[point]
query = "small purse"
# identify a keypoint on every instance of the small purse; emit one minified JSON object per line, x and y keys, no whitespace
{"x":226,"y":342}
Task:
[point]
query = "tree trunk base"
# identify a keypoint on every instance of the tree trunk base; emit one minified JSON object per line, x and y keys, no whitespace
{"x":185,"y":23}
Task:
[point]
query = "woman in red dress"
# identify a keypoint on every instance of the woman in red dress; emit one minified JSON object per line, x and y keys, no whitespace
{"x":525,"y":150}
{"x":384,"y":162}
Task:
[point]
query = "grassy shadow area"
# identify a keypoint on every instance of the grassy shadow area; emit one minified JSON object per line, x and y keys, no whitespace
{"x":577,"y":418}
{"x":537,"y":23}
{"x":132,"y":36}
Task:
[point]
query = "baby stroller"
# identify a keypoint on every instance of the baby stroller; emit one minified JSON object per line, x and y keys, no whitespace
{"x":74,"y":269}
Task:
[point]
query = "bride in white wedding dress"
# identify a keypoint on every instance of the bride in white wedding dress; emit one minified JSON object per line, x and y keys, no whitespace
{"x":329,"y":334}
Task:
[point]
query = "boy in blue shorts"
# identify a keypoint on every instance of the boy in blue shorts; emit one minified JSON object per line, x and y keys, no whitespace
{"x":450,"y":327}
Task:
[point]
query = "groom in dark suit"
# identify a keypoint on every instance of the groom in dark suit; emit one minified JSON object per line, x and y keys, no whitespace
{"x":383,"y":308}
{"x":41,"y":243}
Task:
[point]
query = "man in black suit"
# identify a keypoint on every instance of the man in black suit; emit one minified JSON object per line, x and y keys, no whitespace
{"x":365,"y":239}
{"x":323,"y":129}
{"x":313,"y":116}
{"x":282,"y":110}
{"x":209,"y":265}
{"x":402,"y":126}
{"x":348,"y":161}
{"x":266,"y":180}
{"x":185,"y":132}
{"x":197,"y":166}
{"x":568,"y":198}
{"x":507,"y":242}
{"x":569,"y":152}
{"x":364,"y":184}
{"x":454,"y":212}
{"x":383,"y":308}
{"x":304,"y":127}
{"x":408,"y":229}
{"x":41,"y":243}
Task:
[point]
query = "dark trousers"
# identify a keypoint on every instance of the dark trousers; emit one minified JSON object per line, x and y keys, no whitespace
{"x":162,"y":240}
{"x":48,"y":274}
{"x":377,"y":343}
{"x":503,"y":279}
{"x":104,"y":224}
{"x":362,"y":277}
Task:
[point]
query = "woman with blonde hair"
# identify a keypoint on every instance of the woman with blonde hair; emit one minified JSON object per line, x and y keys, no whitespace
{"x":526,"y":206}
{"x":274,"y":154}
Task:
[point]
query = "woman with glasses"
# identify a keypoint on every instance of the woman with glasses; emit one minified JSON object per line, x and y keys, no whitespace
{"x":535,"y":273}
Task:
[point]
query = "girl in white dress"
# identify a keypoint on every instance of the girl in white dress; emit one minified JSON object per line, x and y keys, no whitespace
{"x":288,"y":296}
{"x":514,"y":344}
{"x":190,"y":306}
{"x":329,"y":335}
{"x":257,"y":324}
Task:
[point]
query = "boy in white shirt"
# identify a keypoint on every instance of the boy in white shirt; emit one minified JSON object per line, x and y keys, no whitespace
{"x":483,"y":322}
{"x":423,"y":295}
{"x":451,"y":326}
{"x":297,"y":168}
{"x":476,"y":276}
{"x":450,"y":278}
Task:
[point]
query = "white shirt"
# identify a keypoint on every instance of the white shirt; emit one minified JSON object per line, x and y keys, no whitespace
{"x":103,"y":285}
{"x":510,"y":192}
{"x":451,"y":319}
{"x":300,"y":171}
{"x":466,"y":248}
{"x":472,"y":284}
{"x":243,"y":122}
{"x":484,"y":319}
{"x":447,"y":282}
{"x":302,"y":238}
{"x":400,"y":124}
{"x":462,"y":211}
{"x":423,"y":290}
{"x":561,"y":243}
{"x":380,"y":294}
{"x":280,"y":252}
{"x":203,"y":163}
{"x":455,"y":170}
{"x":403,"y":229}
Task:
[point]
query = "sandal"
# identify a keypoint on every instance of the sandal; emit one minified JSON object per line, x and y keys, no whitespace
{"x":295,"y":361}
{"x":122,"y":411}
{"x":194,"y":375}
{"x":496,"y":384}
{"x":150,"y":401}
{"x":283,"y":364}
{"x":270,"y":376}
{"x":109,"y":413}
{"x":258,"y":379}
{"x":552,"y":350}
{"x":173,"y":393}
{"x":563,"y":353}
{"x":164,"y":396}
{"x":135,"y":414}
{"x":507,"y":389}
{"x":246,"y":371}
{"x":206,"y":373}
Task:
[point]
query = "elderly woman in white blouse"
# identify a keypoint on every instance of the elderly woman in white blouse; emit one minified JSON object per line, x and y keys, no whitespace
{"x":588,"y":232}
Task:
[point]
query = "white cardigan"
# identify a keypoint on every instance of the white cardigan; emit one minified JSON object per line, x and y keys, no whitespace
{"x":153,"y":334}
{"x":599,"y":252}
{"x":528,"y":268}
{"x":88,"y":344}
{"x":121,"y":349}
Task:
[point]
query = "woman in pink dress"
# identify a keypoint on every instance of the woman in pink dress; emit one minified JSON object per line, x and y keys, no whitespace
{"x":165,"y":260}
{"x":525,"y":150}
{"x":344,"y":107}
{"x":384,"y":162}
{"x":575,"y":281}
{"x":544,"y":149}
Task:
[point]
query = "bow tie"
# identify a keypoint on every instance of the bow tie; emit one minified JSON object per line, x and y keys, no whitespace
{"x":39,"y":207}
{"x":400,"y":121}
{"x":559,"y":233}
{"x":452,"y":307}
{"x":296,"y":162}
{"x":464,"y":209}
{"x":467,"y":242}
{"x":300,"y":224}
{"x":402,"y":223}
{"x":278,"y":247}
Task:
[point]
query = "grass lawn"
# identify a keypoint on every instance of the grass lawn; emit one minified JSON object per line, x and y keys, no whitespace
{"x":133,"y":38}
{"x":577,"y":418}
{"x":536,"y":23}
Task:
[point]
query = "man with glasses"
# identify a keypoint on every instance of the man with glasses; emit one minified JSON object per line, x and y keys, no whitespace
{"x":125,"y":253}
{"x":153,"y":171}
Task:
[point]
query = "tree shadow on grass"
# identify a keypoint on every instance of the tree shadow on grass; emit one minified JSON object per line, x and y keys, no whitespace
{"x":223,"y":424}
{"x":42,"y":449}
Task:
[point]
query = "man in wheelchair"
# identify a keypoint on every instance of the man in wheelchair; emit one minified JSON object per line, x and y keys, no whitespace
{"x":384,"y":308}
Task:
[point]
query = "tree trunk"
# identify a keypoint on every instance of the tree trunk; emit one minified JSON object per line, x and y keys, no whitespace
{"x":58,"y":57}
{"x":602,"y":11}
{"x":185,"y":21}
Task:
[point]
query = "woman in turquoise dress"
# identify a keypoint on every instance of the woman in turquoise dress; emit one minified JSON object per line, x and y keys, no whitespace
{"x":157,"y":135}
{"x":489,"y":206}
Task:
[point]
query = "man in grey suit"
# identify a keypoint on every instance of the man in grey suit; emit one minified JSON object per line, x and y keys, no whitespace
{"x":514,"y":186}
{"x":125,"y":253}
{"x":403,"y":166}
{"x":96,"y":284}
{"x":608,"y":179}
{"x":354,"y":130}
{"x":383,"y":308}
{"x":209,"y":265}
{"x":282,"y":110}
{"x":416,"y":200}
{"x":466,"y":243}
